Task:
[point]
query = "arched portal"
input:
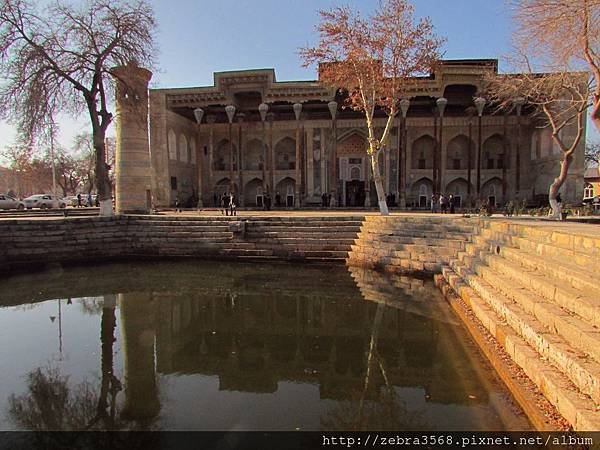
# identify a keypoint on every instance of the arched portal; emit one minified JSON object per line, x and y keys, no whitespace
{"x":253,"y":158}
{"x":422,"y":153}
{"x":458,"y":153}
{"x":253,"y":193}
{"x":286,"y":189}
{"x":493,"y":153}
{"x":221,"y":156}
{"x":285,"y":154}
{"x":491,"y":191}
{"x":421,"y":192}
{"x":459,"y":189}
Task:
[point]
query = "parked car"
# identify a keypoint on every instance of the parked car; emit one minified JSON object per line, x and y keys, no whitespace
{"x":44,"y":201}
{"x":70,"y":200}
{"x":7,"y":202}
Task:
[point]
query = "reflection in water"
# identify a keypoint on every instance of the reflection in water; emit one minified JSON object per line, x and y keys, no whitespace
{"x":226,"y":346}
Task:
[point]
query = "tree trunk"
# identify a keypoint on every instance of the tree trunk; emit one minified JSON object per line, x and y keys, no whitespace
{"x":557,"y":184}
{"x":379,"y":184}
{"x":102,"y":180}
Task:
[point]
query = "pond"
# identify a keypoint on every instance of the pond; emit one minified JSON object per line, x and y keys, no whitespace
{"x":237,"y":346}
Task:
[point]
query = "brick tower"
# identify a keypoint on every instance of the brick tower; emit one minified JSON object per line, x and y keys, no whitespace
{"x":133,"y":168}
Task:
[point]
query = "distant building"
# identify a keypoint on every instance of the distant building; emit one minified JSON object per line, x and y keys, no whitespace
{"x":509,"y":157}
{"x":592,"y":184}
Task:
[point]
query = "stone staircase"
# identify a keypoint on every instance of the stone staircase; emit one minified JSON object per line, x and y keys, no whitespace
{"x":534,"y":290}
{"x":411,"y":244}
{"x":311,"y":239}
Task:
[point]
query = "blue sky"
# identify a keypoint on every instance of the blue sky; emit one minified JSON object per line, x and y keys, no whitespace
{"x":198,"y":37}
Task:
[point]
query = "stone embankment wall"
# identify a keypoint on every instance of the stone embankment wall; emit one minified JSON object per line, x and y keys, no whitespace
{"x":411,"y":244}
{"x":24,"y":242}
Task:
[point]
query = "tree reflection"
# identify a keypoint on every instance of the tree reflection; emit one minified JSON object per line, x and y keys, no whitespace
{"x":52,"y":403}
{"x":378,"y":408}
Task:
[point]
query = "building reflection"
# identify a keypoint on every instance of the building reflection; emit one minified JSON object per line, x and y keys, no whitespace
{"x":362,"y":347}
{"x":252,"y":339}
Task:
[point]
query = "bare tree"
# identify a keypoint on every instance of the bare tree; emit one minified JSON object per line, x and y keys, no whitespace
{"x":59,"y":58}
{"x":592,"y":153}
{"x":559,"y":99}
{"x":373,"y":60}
{"x":563,"y":33}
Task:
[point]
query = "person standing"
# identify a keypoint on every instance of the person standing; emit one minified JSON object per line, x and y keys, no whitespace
{"x":232,"y":205}
{"x":451,"y":203}
{"x":324,"y":199}
{"x":434,"y":202}
{"x":277,"y":199}
{"x":268,"y":201}
{"x":225,"y":204}
{"x":89,"y":199}
{"x":79,"y":200}
{"x":443,"y":203}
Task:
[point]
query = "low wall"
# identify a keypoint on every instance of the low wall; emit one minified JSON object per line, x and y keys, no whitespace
{"x":25,"y":242}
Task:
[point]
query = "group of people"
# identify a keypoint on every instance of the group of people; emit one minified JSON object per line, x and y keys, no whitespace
{"x":447,"y":204}
{"x":228,"y":204}
{"x":90,"y":200}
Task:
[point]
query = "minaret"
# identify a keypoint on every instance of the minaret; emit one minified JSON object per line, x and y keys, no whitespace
{"x":133,"y":168}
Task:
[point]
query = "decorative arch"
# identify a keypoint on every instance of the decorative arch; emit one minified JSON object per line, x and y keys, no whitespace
{"x":352,"y":143}
{"x":459,"y":189}
{"x":422,"y":152}
{"x":286,"y":188}
{"x":285,"y":154}
{"x":492,"y":191}
{"x":183,"y":148}
{"x":221,"y":156}
{"x":223,"y":186}
{"x":172,"y":144}
{"x":457,"y":151}
{"x":253,"y":158}
{"x":252,"y":192}
{"x":421,"y":192}
{"x":493,"y":152}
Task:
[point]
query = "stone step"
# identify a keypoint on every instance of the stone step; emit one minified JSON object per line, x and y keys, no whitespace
{"x":583,"y":372}
{"x":577,"y":331}
{"x":185,"y":234}
{"x":298,"y":233}
{"x":578,"y":302}
{"x":177,"y":228}
{"x":422,"y":227}
{"x":554,"y":241}
{"x":555,"y":253}
{"x":304,"y":223}
{"x":580,"y":410}
{"x":418,"y":233}
{"x":565,"y":272}
{"x":588,"y":245}
{"x":301,"y":240}
{"x":430,"y":241}
{"x":246,"y":252}
{"x":252,"y":228}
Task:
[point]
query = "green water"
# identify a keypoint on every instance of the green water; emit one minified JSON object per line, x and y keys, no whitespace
{"x":226,"y":346}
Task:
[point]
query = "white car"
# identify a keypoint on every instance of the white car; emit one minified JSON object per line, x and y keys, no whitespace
{"x":44,"y":201}
{"x":7,"y":202}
